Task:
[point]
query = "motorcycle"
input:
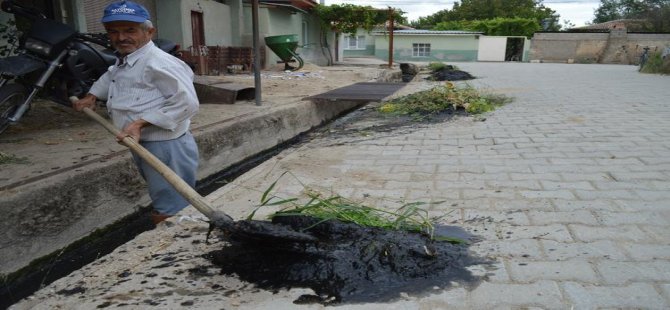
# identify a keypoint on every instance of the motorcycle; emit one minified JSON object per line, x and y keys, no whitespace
{"x":54,"y":61}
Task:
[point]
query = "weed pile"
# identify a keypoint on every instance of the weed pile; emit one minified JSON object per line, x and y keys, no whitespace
{"x":441,"y":99}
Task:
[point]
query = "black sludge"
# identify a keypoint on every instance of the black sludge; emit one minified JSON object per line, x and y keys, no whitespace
{"x":449,"y":73}
{"x":350,"y":263}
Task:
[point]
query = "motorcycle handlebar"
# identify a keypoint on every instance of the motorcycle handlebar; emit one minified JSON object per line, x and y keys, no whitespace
{"x":97,"y":38}
{"x":12,"y":7}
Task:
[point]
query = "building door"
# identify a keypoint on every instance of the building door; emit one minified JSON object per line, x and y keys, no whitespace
{"x":491,"y":48}
{"x":197,"y":29}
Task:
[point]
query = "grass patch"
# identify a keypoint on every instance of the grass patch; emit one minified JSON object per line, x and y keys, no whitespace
{"x":12,"y":159}
{"x":444,"y":98}
{"x":656,"y":64}
{"x":409,"y":217}
{"x":439,"y":66}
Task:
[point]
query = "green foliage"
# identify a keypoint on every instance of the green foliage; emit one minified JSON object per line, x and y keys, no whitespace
{"x":471,"y":10}
{"x":436,"y":66}
{"x":656,"y":64}
{"x":408,"y":217}
{"x":443,"y":98}
{"x":655,"y":13}
{"x":494,"y":27}
{"x":12,"y":159}
{"x":348,"y":18}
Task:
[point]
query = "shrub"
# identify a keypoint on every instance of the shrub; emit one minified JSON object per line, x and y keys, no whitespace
{"x":656,"y":64}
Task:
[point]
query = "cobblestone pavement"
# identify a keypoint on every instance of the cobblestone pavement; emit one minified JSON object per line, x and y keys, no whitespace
{"x":568,"y":187}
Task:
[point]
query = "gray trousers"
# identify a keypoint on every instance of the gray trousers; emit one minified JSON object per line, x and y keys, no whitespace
{"x":181,"y":155}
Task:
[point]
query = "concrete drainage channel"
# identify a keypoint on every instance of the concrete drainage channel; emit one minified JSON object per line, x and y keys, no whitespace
{"x":117,"y":219}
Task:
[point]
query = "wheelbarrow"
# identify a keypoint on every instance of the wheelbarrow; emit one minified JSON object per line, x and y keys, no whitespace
{"x":284,"y":46}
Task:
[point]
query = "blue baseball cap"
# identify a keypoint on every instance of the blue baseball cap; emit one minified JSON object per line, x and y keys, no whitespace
{"x":125,"y":11}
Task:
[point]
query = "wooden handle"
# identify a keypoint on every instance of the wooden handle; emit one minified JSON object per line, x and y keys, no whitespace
{"x":182,"y":187}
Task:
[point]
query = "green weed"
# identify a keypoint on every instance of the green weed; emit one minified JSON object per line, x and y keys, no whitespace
{"x":444,"y":98}
{"x":408,"y":217}
{"x":656,"y":64}
{"x":12,"y":159}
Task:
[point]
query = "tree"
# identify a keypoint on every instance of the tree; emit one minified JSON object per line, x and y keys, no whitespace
{"x":495,"y":27}
{"x":348,"y":18}
{"x":655,"y":12}
{"x":490,"y":9}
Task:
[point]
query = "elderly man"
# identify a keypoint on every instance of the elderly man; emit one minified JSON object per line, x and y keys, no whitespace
{"x":151,"y":98}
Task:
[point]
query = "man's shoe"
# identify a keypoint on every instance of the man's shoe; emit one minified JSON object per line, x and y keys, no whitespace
{"x":158,"y":217}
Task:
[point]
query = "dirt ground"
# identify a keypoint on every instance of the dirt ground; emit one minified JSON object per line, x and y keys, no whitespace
{"x":51,"y":138}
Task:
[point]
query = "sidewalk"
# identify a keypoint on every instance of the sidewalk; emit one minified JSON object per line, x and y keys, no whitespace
{"x":567,"y":186}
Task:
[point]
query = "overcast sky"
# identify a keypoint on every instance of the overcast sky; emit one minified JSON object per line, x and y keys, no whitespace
{"x":579,"y":12}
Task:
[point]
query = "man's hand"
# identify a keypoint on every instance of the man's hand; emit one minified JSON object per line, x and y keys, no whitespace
{"x":133,"y":130}
{"x":87,"y":102}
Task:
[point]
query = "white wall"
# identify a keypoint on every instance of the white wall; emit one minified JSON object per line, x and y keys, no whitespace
{"x":216,"y":17}
{"x":491,"y":48}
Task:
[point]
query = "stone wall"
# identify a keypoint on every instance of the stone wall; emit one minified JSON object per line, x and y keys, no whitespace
{"x":614,"y":47}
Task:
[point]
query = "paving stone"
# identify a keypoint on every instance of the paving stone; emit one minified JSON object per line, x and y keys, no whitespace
{"x":415,"y":168}
{"x":658,"y":233}
{"x":614,"y":185}
{"x":593,"y":205}
{"x":481,"y":204}
{"x":634,"y":295}
{"x":460,"y":169}
{"x":631,"y":176}
{"x":517,"y":204}
{"x":637,"y":205}
{"x":460,"y":184}
{"x":665,"y":288}
{"x":520,"y":249}
{"x":602,"y":249}
{"x":635,"y":271}
{"x":653,"y":195}
{"x":630,"y":218}
{"x":512,"y":217}
{"x":552,"y":185}
{"x":615,"y":233}
{"x":488,"y":193}
{"x":572,"y":270}
{"x":606,"y":194}
{"x":452,"y":298}
{"x":581,"y":176}
{"x":569,"y":217}
{"x":535,"y":176}
{"x":559,"y":194}
{"x":544,"y":294}
{"x":647,"y":251}
{"x":494,"y":272}
{"x":507,"y":184}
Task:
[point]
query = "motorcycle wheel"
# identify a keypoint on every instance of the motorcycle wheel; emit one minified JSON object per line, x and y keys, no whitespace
{"x":11,"y":96}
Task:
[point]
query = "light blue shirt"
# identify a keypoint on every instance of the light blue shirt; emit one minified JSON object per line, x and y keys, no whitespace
{"x":152,"y":85}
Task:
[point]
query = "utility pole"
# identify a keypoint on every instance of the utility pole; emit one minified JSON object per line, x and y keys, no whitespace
{"x":257,"y":52}
{"x":390,"y":29}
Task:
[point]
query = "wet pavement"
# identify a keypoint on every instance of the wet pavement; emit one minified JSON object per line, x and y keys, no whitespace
{"x":567,"y":188}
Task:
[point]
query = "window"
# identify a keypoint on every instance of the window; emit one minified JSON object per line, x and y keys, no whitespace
{"x":420,"y":49}
{"x":354,"y":43}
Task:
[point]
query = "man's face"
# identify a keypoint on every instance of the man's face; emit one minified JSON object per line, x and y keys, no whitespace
{"x":127,"y":37}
